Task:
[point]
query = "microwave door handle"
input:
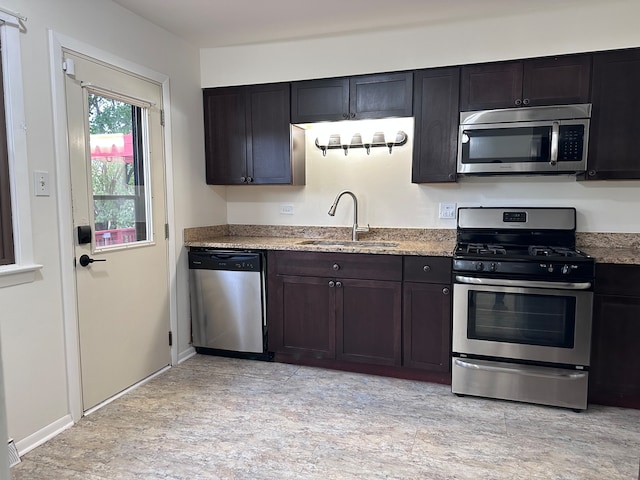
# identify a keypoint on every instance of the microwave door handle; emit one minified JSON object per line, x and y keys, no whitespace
{"x":555,"y":139}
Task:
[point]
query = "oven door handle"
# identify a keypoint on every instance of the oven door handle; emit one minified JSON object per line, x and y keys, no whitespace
{"x":501,"y":282}
{"x":522,"y":369}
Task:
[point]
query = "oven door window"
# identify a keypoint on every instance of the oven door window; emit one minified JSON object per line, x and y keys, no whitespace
{"x":506,"y":145}
{"x":528,"y":319}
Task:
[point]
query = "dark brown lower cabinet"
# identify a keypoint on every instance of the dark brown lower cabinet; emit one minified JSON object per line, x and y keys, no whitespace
{"x":369,"y":323}
{"x":345,"y":311}
{"x":614,"y":377}
{"x":335,"y":316}
{"x":427,"y":331}
{"x":305,"y":309}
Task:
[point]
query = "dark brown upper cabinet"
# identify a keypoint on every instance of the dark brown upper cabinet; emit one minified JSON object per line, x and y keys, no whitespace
{"x":248,"y":137}
{"x":541,"y":81}
{"x":615,"y":123}
{"x":436,"y":125}
{"x":353,"y":98}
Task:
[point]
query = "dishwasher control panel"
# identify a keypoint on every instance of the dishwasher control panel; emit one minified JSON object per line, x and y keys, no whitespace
{"x":225,"y":260}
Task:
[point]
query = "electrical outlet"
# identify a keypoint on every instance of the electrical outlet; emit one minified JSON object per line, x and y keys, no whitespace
{"x":41,"y":183}
{"x":286,"y":209}
{"x":448,"y":210}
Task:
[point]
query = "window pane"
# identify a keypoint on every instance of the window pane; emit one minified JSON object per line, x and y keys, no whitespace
{"x":6,"y":226}
{"x":117,"y":171}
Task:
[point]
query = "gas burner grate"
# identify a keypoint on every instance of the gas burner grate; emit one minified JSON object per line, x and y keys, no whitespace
{"x":537,"y":251}
{"x":481,"y":248}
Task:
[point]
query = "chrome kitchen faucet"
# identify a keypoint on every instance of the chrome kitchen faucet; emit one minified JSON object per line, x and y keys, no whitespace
{"x":356,"y":229}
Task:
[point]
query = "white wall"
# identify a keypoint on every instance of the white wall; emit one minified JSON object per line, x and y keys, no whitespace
{"x":31,"y":321}
{"x":384,"y":183}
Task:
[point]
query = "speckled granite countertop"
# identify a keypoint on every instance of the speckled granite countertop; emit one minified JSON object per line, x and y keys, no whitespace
{"x":623,"y":248}
{"x":406,"y":241}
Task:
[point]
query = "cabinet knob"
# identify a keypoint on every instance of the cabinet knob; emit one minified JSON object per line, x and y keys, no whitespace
{"x":445,"y":291}
{"x":332,"y":283}
{"x":336,"y":266}
{"x":452,"y":177}
{"x":426,"y":268}
{"x":243,"y":179}
{"x":249,"y":179}
{"x":526,"y":101}
{"x":353,"y":115}
{"x":345,"y":115}
{"x":518,"y":102}
{"x":592,"y":173}
{"x":338,"y":284}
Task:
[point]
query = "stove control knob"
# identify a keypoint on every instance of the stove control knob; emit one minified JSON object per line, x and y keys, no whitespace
{"x":550,"y":269}
{"x":479,"y":266}
{"x":493,"y":267}
{"x":566,"y":269}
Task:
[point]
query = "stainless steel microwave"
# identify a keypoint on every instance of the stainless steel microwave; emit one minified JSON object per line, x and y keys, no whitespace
{"x":536,"y":140}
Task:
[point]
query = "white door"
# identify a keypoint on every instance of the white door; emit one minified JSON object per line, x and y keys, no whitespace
{"x":118,"y":197}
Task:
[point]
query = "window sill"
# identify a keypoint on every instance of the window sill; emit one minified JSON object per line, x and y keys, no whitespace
{"x":16,"y":274}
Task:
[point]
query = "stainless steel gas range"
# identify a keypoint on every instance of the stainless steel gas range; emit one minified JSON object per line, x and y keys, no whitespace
{"x":522,"y":306}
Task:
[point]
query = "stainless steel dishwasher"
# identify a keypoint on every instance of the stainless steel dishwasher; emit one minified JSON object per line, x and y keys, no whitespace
{"x":228,"y":302}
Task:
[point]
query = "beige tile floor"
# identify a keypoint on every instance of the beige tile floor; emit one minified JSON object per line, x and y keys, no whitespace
{"x":218,"y":418}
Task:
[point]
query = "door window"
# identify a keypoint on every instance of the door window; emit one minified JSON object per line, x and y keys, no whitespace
{"x":118,"y":171}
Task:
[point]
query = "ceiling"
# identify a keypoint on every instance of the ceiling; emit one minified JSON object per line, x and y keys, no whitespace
{"x":218,"y":23}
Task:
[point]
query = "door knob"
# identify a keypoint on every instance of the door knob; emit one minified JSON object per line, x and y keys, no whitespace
{"x":86,"y":260}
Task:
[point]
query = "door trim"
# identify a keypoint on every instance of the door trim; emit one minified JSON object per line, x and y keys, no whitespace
{"x":57,"y":42}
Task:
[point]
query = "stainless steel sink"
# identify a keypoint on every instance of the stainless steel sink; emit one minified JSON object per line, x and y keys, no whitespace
{"x":348,"y":243}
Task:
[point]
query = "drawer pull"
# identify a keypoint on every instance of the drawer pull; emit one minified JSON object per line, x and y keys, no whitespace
{"x":336,"y":267}
{"x":332,"y":283}
{"x":426,"y":268}
{"x":445,"y":291}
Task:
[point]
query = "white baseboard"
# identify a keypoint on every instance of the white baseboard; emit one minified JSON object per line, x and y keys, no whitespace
{"x":38,"y":438}
{"x":187,"y":354}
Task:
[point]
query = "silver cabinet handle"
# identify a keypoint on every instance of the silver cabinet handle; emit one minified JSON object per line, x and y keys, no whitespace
{"x":426,"y":268}
{"x":338,"y":284}
{"x":445,"y":291}
{"x":332,"y":283}
{"x":243,"y":179}
{"x":336,"y":267}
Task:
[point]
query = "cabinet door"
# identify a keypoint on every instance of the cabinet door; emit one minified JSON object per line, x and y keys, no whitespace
{"x":436,"y":95}
{"x":381,"y":96}
{"x":614,"y":377}
{"x":320,"y":100}
{"x":491,"y":85}
{"x":302,"y":317}
{"x":427,"y":326}
{"x":557,"y":80}
{"x":269,"y":145}
{"x":368,"y":314}
{"x":225,"y":134}
{"x":615,"y":123}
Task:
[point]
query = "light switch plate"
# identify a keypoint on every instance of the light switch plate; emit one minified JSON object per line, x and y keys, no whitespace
{"x":41,"y":183}
{"x":448,"y":210}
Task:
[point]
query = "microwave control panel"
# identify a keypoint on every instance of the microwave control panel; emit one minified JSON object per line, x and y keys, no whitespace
{"x":570,"y":144}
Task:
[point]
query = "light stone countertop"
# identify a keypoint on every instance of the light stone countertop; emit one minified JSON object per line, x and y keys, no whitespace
{"x":620,"y":248}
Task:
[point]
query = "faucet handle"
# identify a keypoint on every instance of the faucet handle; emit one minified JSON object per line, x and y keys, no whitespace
{"x":363,"y":229}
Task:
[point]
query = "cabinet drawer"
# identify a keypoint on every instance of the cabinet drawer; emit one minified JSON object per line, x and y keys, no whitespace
{"x":615,"y":279}
{"x":339,"y":265}
{"x":427,"y":269}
